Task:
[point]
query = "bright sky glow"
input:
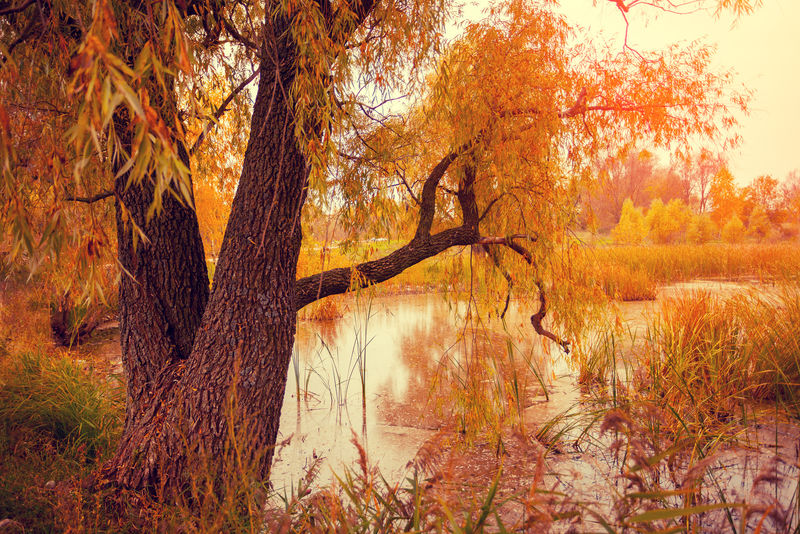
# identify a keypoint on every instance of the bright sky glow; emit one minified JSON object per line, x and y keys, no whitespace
{"x":762,"y":48}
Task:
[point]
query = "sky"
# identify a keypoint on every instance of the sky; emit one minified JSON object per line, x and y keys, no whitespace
{"x":763,"y":48}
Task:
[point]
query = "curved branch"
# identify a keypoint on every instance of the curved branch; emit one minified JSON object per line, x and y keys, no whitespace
{"x":427,"y":207}
{"x":509,"y":242}
{"x":344,"y":279}
{"x":536,"y":321}
{"x":509,"y":280}
{"x":538,"y":317}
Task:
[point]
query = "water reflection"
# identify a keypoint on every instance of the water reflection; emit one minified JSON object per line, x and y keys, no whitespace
{"x":374,"y":373}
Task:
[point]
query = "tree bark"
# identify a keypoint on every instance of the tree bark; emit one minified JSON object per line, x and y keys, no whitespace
{"x":229,"y":392}
{"x":163,"y":289}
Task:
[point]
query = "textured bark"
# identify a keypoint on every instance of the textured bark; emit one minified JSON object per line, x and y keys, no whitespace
{"x":232,"y":384}
{"x":164,"y":287}
{"x":164,"y":284}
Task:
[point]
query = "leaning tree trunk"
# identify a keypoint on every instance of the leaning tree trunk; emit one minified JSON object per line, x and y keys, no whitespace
{"x":231,"y":386}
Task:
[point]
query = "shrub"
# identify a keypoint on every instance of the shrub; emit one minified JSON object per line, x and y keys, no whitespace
{"x":632,"y":229}
{"x":667,"y":224}
{"x":733,"y":231}
{"x":759,"y":225}
{"x":701,"y":229}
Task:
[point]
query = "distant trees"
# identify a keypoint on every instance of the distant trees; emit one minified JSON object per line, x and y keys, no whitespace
{"x":734,"y":230}
{"x":718,"y":209}
{"x":699,"y":170}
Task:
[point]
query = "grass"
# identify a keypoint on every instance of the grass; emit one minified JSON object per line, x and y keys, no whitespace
{"x":706,"y":366}
{"x":725,"y":353}
{"x":56,"y":421}
{"x":630,"y":273}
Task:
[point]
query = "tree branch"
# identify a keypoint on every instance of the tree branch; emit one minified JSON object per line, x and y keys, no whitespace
{"x":221,"y":110}
{"x":490,"y":252}
{"x":536,"y":321}
{"x":509,"y":242}
{"x":344,"y":279}
{"x":92,"y":199}
{"x":427,"y":207}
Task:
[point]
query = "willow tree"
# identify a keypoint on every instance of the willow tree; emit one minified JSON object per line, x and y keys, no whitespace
{"x":491,"y":152}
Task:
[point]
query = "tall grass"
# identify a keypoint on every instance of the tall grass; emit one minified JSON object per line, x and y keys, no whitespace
{"x":56,"y":397}
{"x":56,"y":421}
{"x":720,"y":354}
{"x":674,"y":263}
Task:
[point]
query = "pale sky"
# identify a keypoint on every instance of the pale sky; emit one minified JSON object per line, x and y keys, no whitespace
{"x":762,"y":48}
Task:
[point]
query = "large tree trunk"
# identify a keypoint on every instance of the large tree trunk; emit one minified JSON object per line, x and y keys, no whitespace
{"x":231,"y":386}
{"x":163,"y":289}
{"x":164,"y":285}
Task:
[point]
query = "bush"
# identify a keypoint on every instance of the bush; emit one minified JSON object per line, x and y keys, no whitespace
{"x":632,"y":229}
{"x":759,"y":225}
{"x":667,"y":224}
{"x":733,"y":231}
{"x":701,"y":229}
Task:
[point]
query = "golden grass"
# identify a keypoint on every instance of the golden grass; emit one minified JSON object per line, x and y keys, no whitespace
{"x":665,"y":264}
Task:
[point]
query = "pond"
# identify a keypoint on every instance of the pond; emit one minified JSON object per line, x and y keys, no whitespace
{"x":387,"y":374}
{"x":373,"y":373}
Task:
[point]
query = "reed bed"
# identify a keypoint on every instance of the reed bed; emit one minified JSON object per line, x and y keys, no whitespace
{"x":675,"y":263}
{"x":722,"y":354}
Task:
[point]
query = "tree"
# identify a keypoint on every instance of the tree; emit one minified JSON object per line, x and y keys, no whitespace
{"x":621,"y":178}
{"x":791,"y":195}
{"x":701,"y":229}
{"x":510,"y":118}
{"x":699,"y":170}
{"x":632,"y":228}
{"x":764,"y":193}
{"x":758,"y":224}
{"x":667,"y":224}
{"x":726,"y":199}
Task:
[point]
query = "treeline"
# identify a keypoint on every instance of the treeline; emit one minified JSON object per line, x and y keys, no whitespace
{"x":694,"y":201}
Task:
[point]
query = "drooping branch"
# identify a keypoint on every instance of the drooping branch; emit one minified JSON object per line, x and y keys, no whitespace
{"x":509,"y":280}
{"x":509,"y":242}
{"x":538,"y":317}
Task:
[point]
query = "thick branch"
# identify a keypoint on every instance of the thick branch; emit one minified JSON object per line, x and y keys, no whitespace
{"x":427,"y":207}
{"x":466,"y":198}
{"x":341,"y":280}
